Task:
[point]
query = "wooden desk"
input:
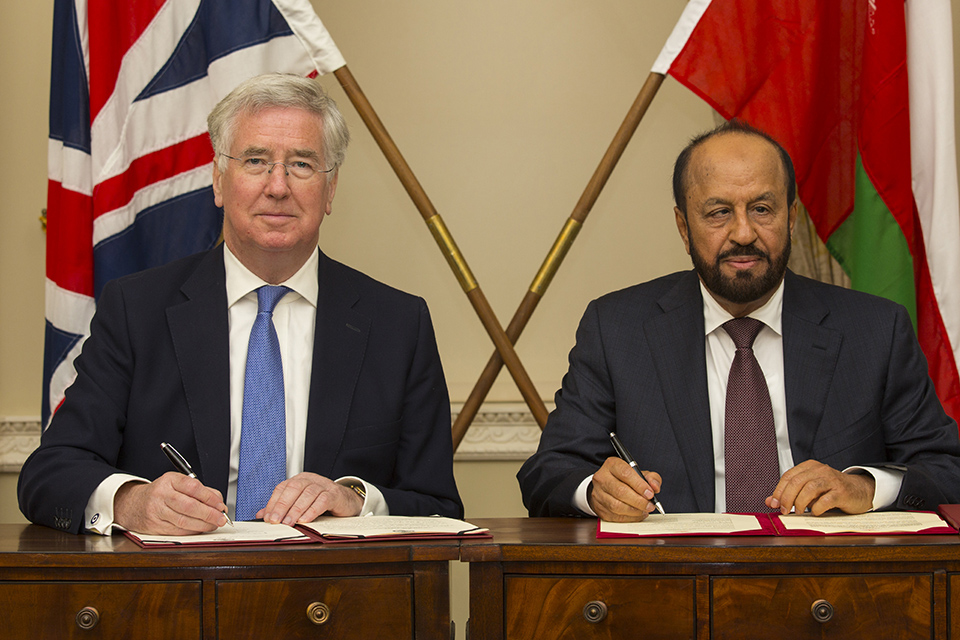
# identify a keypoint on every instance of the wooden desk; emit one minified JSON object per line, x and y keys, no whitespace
{"x":551,"y":578}
{"x":52,"y":583}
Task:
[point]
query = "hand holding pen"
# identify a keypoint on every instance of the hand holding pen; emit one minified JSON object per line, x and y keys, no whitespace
{"x":181,"y":465}
{"x":626,"y":457}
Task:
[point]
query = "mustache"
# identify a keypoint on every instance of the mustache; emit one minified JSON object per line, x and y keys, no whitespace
{"x":744,"y":251}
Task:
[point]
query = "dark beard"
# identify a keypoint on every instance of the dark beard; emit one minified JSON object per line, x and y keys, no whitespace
{"x":744,"y":287}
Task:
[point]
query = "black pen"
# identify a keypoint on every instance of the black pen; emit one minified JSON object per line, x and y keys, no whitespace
{"x":626,"y":457}
{"x":184,"y":467}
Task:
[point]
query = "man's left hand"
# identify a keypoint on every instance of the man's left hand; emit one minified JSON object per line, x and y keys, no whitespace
{"x":306,"y":496}
{"x":820,"y":488}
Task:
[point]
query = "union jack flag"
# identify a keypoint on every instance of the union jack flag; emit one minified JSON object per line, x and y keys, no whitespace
{"x":129,"y":160}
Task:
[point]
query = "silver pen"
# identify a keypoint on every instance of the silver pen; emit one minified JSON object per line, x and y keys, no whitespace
{"x":626,"y":457}
{"x":184,"y":467}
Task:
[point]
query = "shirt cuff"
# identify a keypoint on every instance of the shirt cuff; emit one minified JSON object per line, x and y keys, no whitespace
{"x":374,"y":504}
{"x":580,"y":496}
{"x":887,"y":482}
{"x":98,"y":516}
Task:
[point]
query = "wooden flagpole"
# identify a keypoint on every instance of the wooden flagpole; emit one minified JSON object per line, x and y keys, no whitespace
{"x":558,"y":252}
{"x":504,"y":345}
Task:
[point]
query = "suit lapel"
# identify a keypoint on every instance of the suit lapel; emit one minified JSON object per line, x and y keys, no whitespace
{"x":200,"y":334}
{"x":810,"y":352}
{"x":340,"y":342}
{"x":676,"y":340}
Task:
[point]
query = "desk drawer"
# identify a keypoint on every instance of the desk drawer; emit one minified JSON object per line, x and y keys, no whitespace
{"x":892,"y":607}
{"x":370,"y":607}
{"x":148,"y":610}
{"x":597,"y":607}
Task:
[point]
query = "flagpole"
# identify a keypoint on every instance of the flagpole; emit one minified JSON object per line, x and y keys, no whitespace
{"x":558,"y":252}
{"x":444,"y":239}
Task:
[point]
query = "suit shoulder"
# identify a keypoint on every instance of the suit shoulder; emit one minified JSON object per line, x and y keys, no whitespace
{"x":175,"y":271}
{"x":157,"y":284}
{"x":642,"y":295}
{"x":370,"y":288}
{"x":840,"y":299}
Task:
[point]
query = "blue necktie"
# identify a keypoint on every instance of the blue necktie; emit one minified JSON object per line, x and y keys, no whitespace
{"x":263,"y":431}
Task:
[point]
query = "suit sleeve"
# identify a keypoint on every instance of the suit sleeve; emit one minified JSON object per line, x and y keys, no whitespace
{"x":422,"y":481}
{"x":80,"y":447}
{"x":919,"y":435}
{"x":575,"y":440}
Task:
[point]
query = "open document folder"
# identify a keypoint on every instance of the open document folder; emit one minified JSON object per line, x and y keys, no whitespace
{"x":774,"y":524}
{"x":323,"y":529}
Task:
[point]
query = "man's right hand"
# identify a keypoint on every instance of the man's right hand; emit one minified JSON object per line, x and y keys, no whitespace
{"x":619,"y":494}
{"x":173,"y":504}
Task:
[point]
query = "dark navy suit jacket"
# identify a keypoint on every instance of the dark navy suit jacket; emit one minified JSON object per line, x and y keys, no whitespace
{"x":856,"y":381}
{"x":155,"y":369}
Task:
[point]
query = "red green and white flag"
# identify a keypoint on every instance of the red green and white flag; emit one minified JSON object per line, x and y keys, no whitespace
{"x":860,"y":93}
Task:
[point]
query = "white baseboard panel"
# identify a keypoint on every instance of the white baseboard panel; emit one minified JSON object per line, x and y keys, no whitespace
{"x":500,"y":431}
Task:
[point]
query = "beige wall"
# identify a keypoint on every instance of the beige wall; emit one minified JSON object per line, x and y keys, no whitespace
{"x":502,"y":109}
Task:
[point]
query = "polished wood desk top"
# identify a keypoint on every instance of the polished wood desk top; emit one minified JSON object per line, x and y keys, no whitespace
{"x":36,"y":545}
{"x":575,"y":539}
{"x":544,"y":539}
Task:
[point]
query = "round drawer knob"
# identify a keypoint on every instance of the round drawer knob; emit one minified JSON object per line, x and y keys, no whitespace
{"x":87,"y":618}
{"x":821,"y":610}
{"x":595,"y":611}
{"x":318,"y":613}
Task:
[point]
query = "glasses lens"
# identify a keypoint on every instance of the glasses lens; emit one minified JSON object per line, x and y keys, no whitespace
{"x":301,"y":169}
{"x":254,"y":166}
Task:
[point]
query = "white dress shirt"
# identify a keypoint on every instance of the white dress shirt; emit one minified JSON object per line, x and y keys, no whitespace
{"x":768,"y":349}
{"x":294,"y":319}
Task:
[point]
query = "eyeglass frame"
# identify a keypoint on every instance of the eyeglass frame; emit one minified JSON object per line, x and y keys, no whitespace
{"x":286,"y":168}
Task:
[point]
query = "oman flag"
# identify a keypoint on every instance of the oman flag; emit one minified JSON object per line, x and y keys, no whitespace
{"x":860,"y":93}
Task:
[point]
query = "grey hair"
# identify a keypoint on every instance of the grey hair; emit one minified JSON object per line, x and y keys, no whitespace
{"x":279,"y":90}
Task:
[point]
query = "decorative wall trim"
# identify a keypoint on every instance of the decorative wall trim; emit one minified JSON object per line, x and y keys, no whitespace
{"x":500,"y":431}
{"x":18,"y":438}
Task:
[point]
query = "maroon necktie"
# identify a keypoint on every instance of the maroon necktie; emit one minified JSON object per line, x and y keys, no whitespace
{"x":750,"y":443}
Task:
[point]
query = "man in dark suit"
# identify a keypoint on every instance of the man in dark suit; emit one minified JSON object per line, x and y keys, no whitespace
{"x":856,"y":424}
{"x":364,"y":400}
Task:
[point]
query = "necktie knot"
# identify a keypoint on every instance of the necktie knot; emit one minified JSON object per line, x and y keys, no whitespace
{"x":268,"y":296}
{"x":743,"y":331}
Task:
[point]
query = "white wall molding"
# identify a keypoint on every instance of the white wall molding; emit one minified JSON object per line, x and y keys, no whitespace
{"x":500,"y":431}
{"x":18,"y":438}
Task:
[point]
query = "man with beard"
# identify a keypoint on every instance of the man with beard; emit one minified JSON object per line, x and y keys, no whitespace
{"x":841,"y":413}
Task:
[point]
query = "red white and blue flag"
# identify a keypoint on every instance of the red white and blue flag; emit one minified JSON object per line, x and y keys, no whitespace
{"x":129,"y":159}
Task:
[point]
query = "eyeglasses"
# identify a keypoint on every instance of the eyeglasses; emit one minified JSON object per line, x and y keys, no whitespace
{"x":300,"y":169}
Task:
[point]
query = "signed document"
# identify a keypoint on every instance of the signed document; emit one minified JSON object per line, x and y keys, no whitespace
{"x":323,"y":529}
{"x":874,"y":523}
{"x":381,"y":527}
{"x":774,"y":524}
{"x":238,"y":534}
{"x":689,"y":524}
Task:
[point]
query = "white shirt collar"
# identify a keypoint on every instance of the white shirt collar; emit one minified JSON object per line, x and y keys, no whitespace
{"x":241,"y":281}
{"x":769,"y":314}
